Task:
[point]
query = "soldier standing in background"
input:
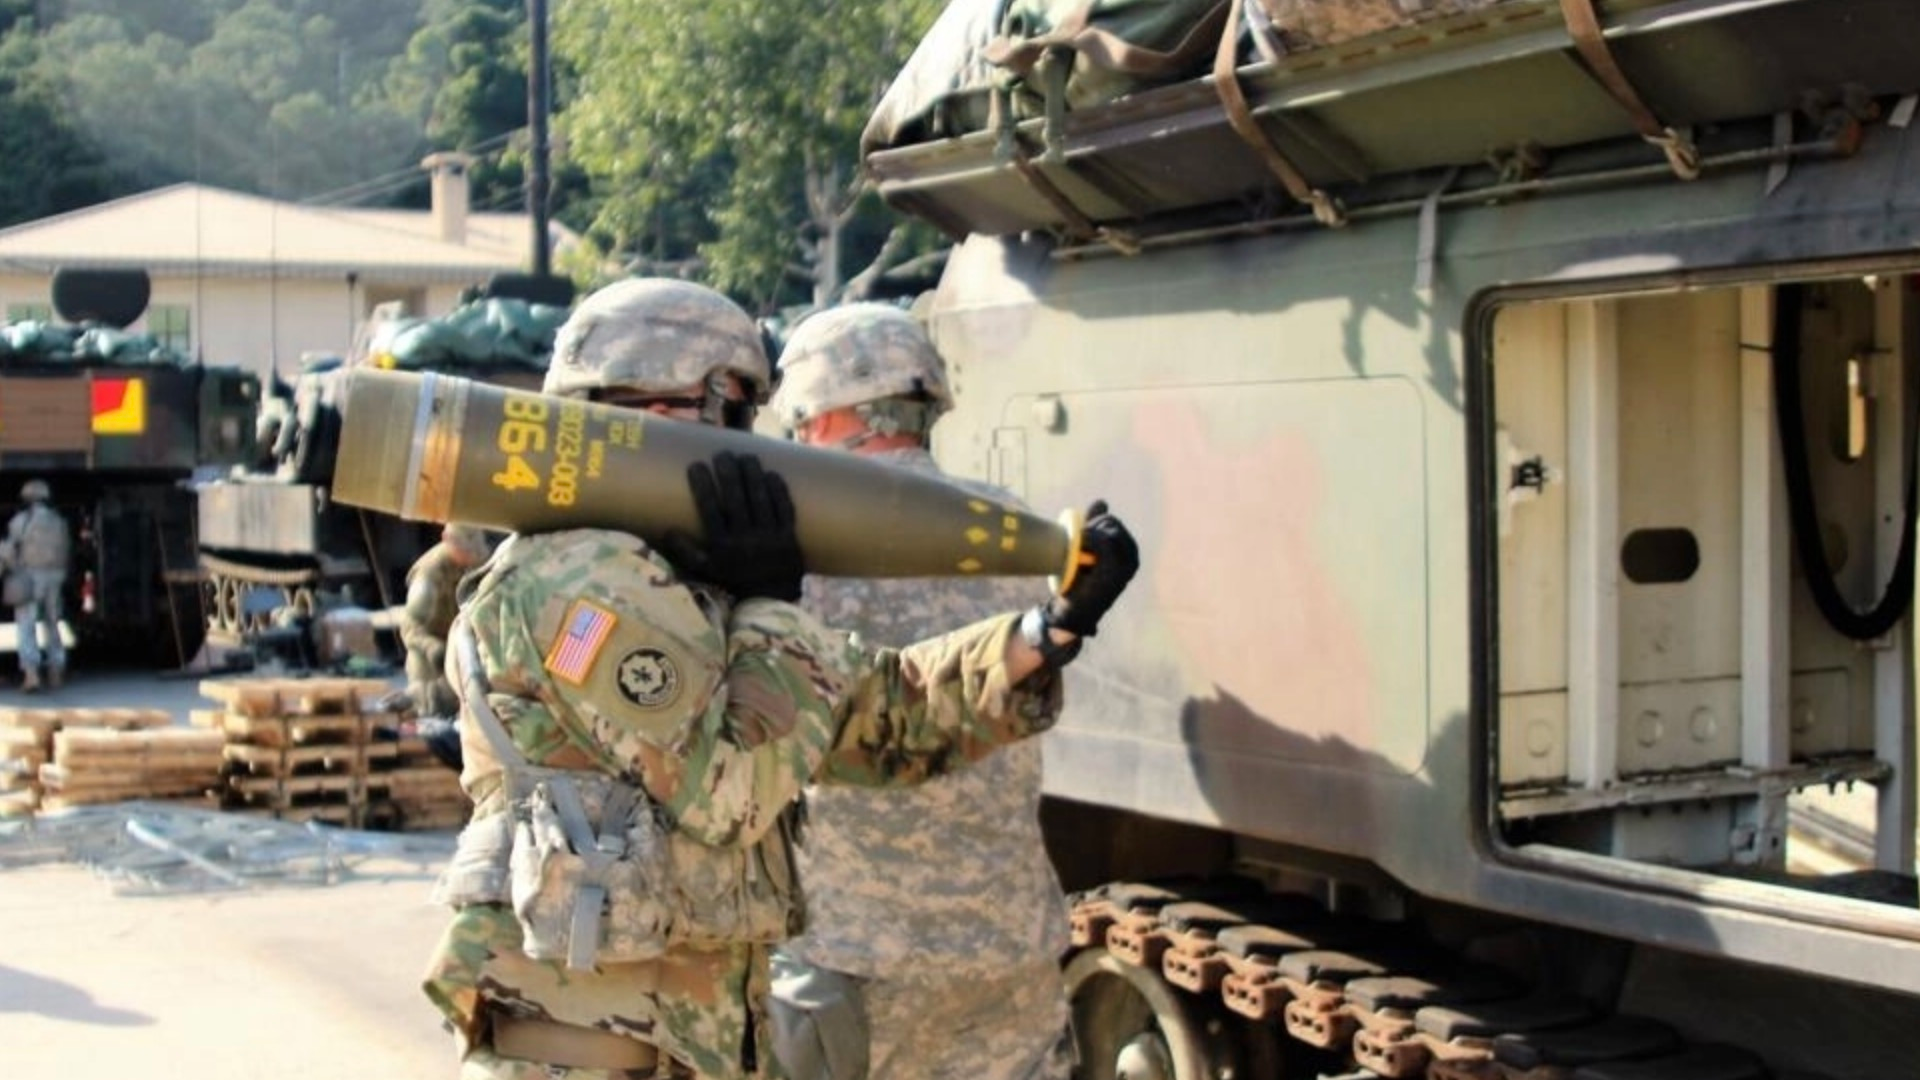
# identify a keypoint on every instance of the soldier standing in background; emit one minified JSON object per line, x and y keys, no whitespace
{"x":933,"y":911}
{"x":432,"y":584}
{"x":685,"y":700}
{"x":38,"y":548}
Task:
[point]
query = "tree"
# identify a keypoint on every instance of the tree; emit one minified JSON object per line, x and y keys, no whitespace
{"x":14,"y":11}
{"x":49,"y":169}
{"x":468,"y":63}
{"x":288,"y":98}
{"x":182,"y":20}
{"x":269,"y":100}
{"x":750,"y":111}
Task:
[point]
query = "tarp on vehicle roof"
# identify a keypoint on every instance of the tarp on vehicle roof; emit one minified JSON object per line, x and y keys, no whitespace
{"x":32,"y":341}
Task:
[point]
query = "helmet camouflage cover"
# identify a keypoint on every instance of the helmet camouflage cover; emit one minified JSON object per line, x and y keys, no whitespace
{"x":855,"y":355}
{"x":656,"y":336}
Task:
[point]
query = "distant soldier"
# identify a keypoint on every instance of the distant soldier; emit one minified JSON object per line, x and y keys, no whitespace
{"x":38,"y":548}
{"x":431,"y":606}
{"x":934,"y":909}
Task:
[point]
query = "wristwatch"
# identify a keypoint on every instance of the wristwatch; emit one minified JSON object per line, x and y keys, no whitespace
{"x":1036,"y":630}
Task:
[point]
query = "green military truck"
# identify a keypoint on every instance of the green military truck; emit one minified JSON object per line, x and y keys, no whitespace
{"x":1516,"y":404}
{"x":119,"y":427}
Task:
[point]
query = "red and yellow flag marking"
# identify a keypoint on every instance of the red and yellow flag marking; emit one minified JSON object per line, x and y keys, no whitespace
{"x":119,"y":406}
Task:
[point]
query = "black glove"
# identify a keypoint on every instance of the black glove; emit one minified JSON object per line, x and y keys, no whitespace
{"x":1108,"y":559}
{"x":749,"y":546}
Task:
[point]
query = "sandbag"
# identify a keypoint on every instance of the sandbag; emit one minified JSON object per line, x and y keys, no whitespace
{"x":86,"y":343}
{"x":487,"y":333}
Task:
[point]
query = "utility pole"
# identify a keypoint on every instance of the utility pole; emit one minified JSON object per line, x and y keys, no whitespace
{"x":537,"y":183}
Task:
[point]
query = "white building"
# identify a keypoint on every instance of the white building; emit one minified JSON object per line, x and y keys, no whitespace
{"x":253,"y":282}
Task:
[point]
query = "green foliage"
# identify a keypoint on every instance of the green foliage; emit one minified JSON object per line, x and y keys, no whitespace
{"x":48,"y":169}
{"x":289,"y":98}
{"x":468,"y":63}
{"x":728,"y":129}
{"x":13,"y":11}
{"x":270,"y":101}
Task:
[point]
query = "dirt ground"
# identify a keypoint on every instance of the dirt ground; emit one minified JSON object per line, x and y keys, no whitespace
{"x":289,"y":982}
{"x":292,"y":983}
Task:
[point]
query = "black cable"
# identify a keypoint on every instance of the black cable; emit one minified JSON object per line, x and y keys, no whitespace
{"x":1791,"y":419}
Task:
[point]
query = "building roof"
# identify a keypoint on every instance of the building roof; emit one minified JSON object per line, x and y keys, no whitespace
{"x":194,"y":228}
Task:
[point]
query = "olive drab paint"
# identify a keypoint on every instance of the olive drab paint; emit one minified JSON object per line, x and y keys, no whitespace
{"x":430,"y":447}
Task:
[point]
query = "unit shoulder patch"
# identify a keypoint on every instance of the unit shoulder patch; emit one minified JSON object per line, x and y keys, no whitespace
{"x":648,"y":678}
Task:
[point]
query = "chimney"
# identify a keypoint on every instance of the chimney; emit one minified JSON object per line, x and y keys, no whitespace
{"x":450,"y":193}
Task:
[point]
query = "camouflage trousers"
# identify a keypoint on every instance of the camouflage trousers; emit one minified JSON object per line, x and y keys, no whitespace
{"x":427,"y":684}
{"x":1010,"y":1026}
{"x":481,"y":1063}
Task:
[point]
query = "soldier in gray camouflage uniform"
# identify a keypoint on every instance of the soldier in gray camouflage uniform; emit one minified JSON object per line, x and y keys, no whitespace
{"x":684,"y":686}
{"x":937,"y":903}
{"x":38,"y":547}
{"x":432,"y":583}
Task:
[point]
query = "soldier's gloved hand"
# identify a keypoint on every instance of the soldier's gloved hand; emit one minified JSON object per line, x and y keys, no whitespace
{"x":1108,"y":559}
{"x":748,"y":544}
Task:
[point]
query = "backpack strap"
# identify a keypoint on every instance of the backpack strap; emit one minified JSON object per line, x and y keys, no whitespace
{"x":474,"y":700}
{"x":600,"y":850}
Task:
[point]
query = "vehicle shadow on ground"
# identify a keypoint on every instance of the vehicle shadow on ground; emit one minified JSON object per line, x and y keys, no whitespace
{"x":25,"y":992}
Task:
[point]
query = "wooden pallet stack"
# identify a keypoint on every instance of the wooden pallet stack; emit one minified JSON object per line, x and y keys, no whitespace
{"x":422,"y":793}
{"x":54,"y":759}
{"x":26,"y":743}
{"x":301,"y":749}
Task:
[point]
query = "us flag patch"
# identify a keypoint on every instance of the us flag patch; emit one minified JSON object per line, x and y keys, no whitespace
{"x":582,"y":634}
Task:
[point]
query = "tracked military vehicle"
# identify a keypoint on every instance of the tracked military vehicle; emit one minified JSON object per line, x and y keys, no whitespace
{"x":118,"y":425}
{"x":1516,"y":402}
{"x":275,"y":547}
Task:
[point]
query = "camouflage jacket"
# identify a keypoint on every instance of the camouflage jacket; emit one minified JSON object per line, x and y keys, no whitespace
{"x":952,"y":873}
{"x":597,"y":656}
{"x":38,"y":540}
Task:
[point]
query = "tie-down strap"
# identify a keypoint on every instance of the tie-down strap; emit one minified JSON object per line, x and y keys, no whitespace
{"x":1226,"y":82}
{"x":1583,"y":23}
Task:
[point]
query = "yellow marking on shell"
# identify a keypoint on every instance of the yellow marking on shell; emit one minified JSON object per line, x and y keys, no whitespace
{"x":977,"y":536}
{"x":969,"y":566}
{"x":979,"y":507}
{"x":1009,"y":543}
{"x":1010,"y":523}
{"x":517,"y":475}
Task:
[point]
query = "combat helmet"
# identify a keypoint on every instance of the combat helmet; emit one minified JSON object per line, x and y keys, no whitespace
{"x":35,"y":491}
{"x":656,"y":336}
{"x":860,"y":355}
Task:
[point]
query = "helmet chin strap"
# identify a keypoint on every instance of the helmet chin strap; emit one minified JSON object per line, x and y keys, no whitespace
{"x":718,"y":409}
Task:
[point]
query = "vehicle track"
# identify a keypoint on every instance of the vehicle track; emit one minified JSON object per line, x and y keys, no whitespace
{"x":1226,"y":979}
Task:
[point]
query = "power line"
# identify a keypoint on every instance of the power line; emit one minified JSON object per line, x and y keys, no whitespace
{"x":366,"y":190}
{"x":506,"y":198}
{"x":387,"y":183}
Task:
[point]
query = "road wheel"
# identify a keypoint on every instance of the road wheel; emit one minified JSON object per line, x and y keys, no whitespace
{"x":1130,"y":1024}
